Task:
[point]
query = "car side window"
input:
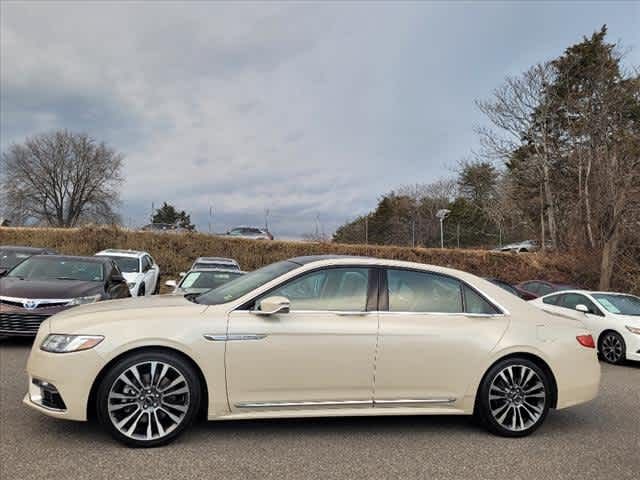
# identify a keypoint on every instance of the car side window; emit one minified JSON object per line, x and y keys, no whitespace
{"x":411,"y":291}
{"x":145,"y":264}
{"x":332,"y":289}
{"x":572,"y":300}
{"x":475,"y":303}
{"x":531,"y":287}
{"x":544,"y":289}
{"x":551,"y":299}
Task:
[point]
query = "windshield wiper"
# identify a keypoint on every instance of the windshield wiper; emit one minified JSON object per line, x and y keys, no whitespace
{"x":65,"y":278}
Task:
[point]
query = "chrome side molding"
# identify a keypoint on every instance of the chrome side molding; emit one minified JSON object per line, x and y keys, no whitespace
{"x":414,"y":401}
{"x":324,"y":403}
{"x":235,"y":337}
{"x":350,"y":403}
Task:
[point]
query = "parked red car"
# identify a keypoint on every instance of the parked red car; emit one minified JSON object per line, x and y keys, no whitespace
{"x":537,"y":288}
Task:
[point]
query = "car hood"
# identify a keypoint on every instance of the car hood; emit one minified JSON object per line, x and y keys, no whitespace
{"x":631,"y":320}
{"x":17,"y":288}
{"x":133,"y":309}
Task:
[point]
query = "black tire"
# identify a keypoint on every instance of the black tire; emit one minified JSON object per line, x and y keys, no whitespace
{"x":527,"y":411}
{"x":612,"y":348}
{"x":156,"y":290}
{"x":138,"y":407}
{"x":141,"y":290}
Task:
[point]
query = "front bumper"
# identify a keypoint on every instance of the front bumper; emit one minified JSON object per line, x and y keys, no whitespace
{"x":632,"y":342}
{"x":15,"y":320}
{"x":72,"y":375}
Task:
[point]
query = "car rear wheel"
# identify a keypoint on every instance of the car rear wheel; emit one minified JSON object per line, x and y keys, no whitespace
{"x":513,"y":399}
{"x":148,"y":399}
{"x":612,"y":348}
{"x":141,"y":291}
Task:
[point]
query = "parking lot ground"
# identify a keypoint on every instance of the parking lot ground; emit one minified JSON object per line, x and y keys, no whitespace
{"x":594,"y":441}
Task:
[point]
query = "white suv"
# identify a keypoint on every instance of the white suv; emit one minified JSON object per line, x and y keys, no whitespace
{"x":138,"y":268}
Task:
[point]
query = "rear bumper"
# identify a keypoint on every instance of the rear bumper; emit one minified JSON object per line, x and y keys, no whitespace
{"x":578,"y":379}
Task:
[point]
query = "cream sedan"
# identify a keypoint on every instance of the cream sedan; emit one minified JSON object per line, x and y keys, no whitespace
{"x":313,"y":336}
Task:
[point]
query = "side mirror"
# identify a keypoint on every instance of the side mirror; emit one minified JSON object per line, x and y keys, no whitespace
{"x":3,"y":272}
{"x":117,"y":279}
{"x":582,"y":308}
{"x":273,"y":306}
{"x":171,"y":283}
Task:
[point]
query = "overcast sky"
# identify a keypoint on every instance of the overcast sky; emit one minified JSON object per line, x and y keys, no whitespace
{"x":309,"y":110}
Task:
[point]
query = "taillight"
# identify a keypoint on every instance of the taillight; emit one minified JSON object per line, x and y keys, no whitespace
{"x":586,"y":341}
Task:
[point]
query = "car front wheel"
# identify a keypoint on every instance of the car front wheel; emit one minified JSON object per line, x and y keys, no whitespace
{"x":612,"y":348}
{"x":148,"y":399}
{"x":513,"y":399}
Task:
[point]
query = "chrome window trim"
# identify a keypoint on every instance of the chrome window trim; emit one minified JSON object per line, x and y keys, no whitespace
{"x":445,"y":314}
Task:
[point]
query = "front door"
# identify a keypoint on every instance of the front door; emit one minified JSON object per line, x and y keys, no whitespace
{"x":434,"y":334}
{"x":319,"y":355}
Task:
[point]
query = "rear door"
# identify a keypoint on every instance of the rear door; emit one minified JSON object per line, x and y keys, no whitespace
{"x":319,"y":355}
{"x":434,"y":330}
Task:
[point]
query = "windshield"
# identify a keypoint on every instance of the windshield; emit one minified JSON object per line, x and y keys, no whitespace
{"x":224,"y":266}
{"x":207,"y":279}
{"x":246,"y":283}
{"x":47,"y":268}
{"x":11,"y":258}
{"x":126,"y":264}
{"x":619,"y":304}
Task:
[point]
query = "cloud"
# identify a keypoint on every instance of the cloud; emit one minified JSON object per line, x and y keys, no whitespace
{"x":304,"y":109}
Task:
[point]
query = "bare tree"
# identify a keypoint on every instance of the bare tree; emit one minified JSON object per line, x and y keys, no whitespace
{"x":519,"y":111}
{"x":61,"y":179}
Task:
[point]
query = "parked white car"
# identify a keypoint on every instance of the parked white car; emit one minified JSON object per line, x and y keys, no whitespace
{"x":613,"y":318}
{"x":215,"y":263}
{"x":139,"y":270}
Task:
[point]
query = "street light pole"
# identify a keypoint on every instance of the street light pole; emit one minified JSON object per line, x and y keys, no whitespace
{"x":441,"y":215}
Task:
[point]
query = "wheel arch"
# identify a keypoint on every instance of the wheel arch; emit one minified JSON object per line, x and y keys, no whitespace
{"x":204,"y":401}
{"x":604,"y":332}
{"x":540,"y":362}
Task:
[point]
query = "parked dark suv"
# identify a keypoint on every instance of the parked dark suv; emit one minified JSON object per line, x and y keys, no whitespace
{"x":43,"y":285}
{"x":10,"y":255}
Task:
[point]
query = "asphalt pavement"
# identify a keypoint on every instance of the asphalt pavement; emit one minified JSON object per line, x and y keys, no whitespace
{"x":597,"y":440}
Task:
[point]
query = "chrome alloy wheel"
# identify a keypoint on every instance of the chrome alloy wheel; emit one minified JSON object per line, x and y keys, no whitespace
{"x":612,"y":348}
{"x":148,"y":400}
{"x":517,"y":397}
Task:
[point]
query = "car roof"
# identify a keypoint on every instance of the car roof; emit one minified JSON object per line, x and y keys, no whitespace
{"x":216,"y":260}
{"x":25,"y":249}
{"x":587,"y":292}
{"x":221,"y":270}
{"x":122,"y":253}
{"x":75,"y":257}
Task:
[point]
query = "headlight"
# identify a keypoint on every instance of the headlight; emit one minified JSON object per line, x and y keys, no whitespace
{"x":635,"y":330}
{"x":131,"y":285}
{"x":58,"y":343}
{"x":84,"y":300}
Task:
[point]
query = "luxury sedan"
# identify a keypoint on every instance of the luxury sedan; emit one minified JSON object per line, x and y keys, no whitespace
{"x":613,"y":318}
{"x":313,"y":336}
